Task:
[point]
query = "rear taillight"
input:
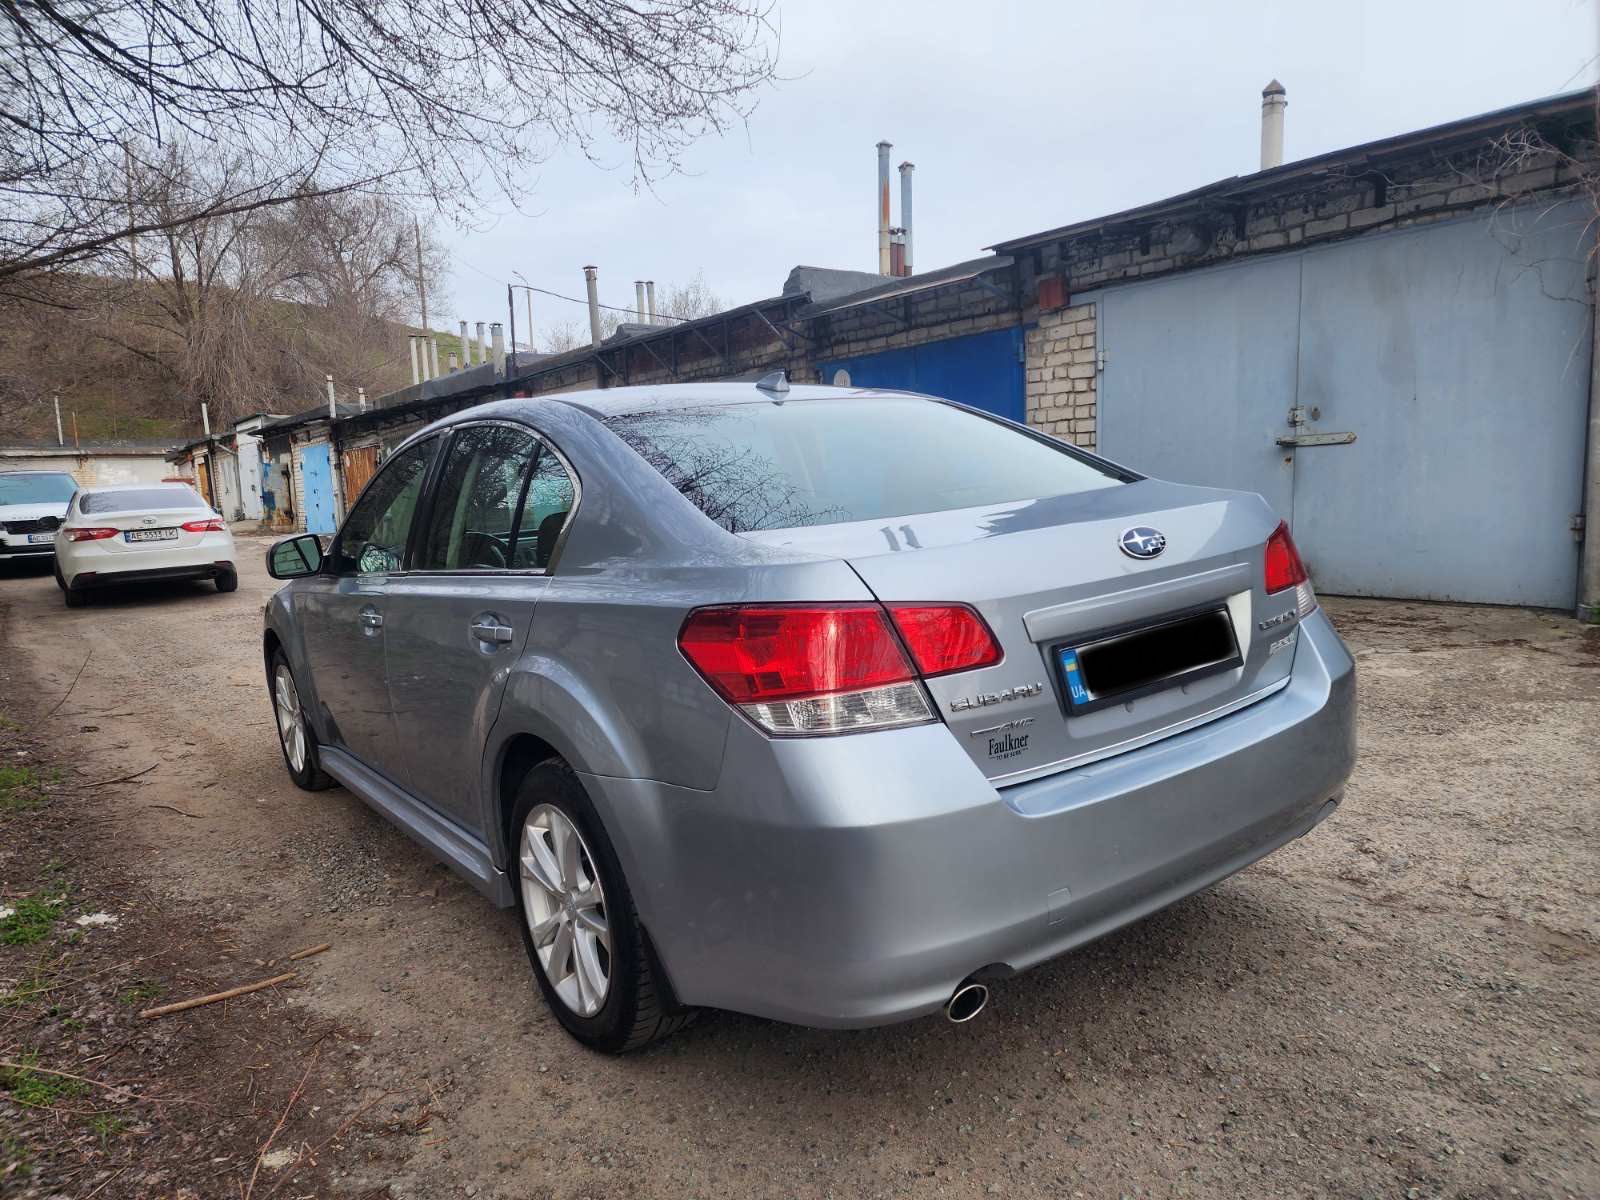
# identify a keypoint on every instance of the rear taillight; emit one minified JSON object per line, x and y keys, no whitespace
{"x":806,"y":668}
{"x":214,"y":525}
{"x":945,"y":637}
{"x":89,"y":535}
{"x":1285,"y":570}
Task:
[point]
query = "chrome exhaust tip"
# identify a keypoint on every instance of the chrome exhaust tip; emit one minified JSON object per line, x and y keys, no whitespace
{"x":966,"y":1002}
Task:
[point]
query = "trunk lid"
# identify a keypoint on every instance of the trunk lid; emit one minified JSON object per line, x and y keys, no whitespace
{"x":167,"y":523}
{"x":1049,"y":575}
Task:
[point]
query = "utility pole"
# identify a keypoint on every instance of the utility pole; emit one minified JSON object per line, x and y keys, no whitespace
{"x":133,"y":238}
{"x":422,"y":287}
{"x":61,"y":438}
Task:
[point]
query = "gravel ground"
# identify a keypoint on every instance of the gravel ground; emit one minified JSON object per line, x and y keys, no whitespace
{"x":1403,"y":1003}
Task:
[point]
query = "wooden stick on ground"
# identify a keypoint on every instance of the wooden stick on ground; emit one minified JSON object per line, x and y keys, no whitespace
{"x":310,"y":950}
{"x":164,"y":1009}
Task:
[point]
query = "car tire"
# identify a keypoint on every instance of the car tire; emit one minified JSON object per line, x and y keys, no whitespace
{"x":75,"y":597}
{"x":228,"y":581}
{"x":308,"y":775}
{"x":637,"y":1006}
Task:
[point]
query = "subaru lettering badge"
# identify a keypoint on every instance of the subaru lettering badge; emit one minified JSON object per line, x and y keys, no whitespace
{"x":1142,"y":542}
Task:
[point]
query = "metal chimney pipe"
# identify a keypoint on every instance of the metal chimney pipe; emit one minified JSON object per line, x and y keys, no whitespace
{"x":594,"y":305}
{"x":205,"y":420}
{"x":638,"y":300}
{"x":361,"y":399}
{"x":466,"y":347}
{"x":416,"y":362}
{"x":1273,"y":101}
{"x":333,"y":410}
{"x":483,"y":346}
{"x":883,"y":206}
{"x":906,"y":168}
{"x":897,"y":251}
{"x":497,"y":339}
{"x":455,"y":365}
{"x":650,"y":299}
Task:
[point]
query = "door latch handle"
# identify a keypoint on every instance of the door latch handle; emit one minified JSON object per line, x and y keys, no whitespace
{"x":371,"y":618}
{"x":488,"y":631}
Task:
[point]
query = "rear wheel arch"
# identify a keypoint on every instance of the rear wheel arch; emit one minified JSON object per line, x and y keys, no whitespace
{"x":520,"y":755}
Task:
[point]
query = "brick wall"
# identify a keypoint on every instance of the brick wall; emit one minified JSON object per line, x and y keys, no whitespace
{"x":1061,"y":373}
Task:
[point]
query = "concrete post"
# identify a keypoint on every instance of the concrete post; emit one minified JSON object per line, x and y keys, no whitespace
{"x":466,"y":347}
{"x":416,"y":362}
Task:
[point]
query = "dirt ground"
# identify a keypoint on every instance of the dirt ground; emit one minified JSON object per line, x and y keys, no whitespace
{"x":1406,"y":1003}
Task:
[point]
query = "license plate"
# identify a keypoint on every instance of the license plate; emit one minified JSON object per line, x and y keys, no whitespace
{"x":1116,"y":666}
{"x":151,"y":535}
{"x":41,"y":537}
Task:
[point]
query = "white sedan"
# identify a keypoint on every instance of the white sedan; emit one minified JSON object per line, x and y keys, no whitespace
{"x":141,"y":533}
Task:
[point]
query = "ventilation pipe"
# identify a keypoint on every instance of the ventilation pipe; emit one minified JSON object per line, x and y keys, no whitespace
{"x":883,"y":206}
{"x":650,"y":299}
{"x":416,"y":362}
{"x":433,"y":357}
{"x":497,"y":339}
{"x":906,"y":168}
{"x":466,"y":347}
{"x":205,"y":420}
{"x":483,"y":346}
{"x":594,"y":305}
{"x":638,"y":300}
{"x":333,"y":408}
{"x":897,"y":251}
{"x":361,"y":399}
{"x":454,"y":364}
{"x":1273,"y":101}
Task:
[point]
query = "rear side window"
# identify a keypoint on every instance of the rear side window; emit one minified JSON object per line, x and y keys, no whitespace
{"x":173,"y":495}
{"x":44,"y":488}
{"x":783,"y":464}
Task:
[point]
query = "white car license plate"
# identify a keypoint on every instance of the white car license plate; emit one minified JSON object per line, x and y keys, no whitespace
{"x":151,"y":535}
{"x":41,"y":537}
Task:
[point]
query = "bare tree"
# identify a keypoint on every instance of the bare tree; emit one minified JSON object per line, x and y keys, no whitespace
{"x":692,"y":300}
{"x":447,"y":102}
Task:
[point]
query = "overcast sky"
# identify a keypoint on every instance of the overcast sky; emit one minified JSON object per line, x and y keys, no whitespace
{"x":1032,"y":116}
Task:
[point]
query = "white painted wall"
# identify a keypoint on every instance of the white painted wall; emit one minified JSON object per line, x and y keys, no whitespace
{"x":90,"y":469}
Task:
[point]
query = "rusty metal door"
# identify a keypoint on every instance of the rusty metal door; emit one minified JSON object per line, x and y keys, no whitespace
{"x":359,"y":466}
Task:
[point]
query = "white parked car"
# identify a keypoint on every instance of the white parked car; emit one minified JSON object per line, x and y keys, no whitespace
{"x":32,"y":505}
{"x":141,"y":533}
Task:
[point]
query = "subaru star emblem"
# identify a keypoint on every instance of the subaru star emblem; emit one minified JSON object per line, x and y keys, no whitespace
{"x":1142,"y":542}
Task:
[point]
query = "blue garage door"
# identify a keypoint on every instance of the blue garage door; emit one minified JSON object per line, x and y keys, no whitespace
{"x":983,"y":370}
{"x":318,"y":480}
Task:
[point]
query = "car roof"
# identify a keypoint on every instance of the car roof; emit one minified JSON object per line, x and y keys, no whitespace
{"x":68,"y":474}
{"x":136,"y":487}
{"x":622,"y":401}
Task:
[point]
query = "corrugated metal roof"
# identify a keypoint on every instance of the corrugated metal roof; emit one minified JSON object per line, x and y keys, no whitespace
{"x":911,"y":284}
{"x":1240,"y":186}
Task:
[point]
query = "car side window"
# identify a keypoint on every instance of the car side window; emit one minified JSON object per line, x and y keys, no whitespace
{"x":545,"y":508}
{"x":373,"y":539}
{"x":473,"y":520}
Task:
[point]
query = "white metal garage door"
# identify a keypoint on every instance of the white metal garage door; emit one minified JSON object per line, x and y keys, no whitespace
{"x":1457,"y":353}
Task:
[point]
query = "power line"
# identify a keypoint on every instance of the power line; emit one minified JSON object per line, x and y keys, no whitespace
{"x":559,"y":296}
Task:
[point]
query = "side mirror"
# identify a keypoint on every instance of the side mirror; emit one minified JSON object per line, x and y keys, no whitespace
{"x":296,"y":557}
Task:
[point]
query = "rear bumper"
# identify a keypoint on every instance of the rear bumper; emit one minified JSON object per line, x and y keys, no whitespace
{"x":857,"y":880}
{"x":17,"y":546}
{"x":103,"y":578}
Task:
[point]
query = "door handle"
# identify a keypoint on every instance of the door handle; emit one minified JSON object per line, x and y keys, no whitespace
{"x":370,"y":618}
{"x":489,"y":631}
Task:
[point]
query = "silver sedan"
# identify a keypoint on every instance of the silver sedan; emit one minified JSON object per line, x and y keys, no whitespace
{"x":836,"y":707}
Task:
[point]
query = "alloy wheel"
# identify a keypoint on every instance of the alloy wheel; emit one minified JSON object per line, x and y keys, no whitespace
{"x":291,"y":722}
{"x":565,"y":907}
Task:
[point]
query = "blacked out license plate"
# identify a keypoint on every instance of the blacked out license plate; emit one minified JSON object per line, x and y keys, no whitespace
{"x":1114,"y":667}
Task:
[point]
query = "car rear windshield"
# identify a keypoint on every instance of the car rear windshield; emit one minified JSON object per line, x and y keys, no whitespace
{"x":779,"y":465}
{"x":134,"y":499}
{"x":44,"y":488}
